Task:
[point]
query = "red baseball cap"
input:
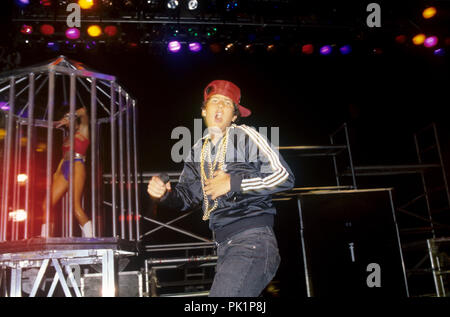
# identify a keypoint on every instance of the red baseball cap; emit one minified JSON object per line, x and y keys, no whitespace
{"x":228,"y":89}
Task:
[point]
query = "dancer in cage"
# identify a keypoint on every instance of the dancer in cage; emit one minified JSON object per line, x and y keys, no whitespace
{"x":60,"y":183}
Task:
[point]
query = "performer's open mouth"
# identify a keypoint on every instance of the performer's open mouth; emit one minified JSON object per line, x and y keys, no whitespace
{"x":218,"y":117}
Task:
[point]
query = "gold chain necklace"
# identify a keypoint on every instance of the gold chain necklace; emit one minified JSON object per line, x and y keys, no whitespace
{"x":220,"y":159}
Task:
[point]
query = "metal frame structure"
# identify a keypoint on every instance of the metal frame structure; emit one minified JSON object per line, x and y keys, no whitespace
{"x":31,"y":98}
{"x":430,"y":160}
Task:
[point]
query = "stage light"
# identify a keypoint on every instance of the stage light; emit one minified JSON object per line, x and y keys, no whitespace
{"x":46,"y":3}
{"x":439,"y":52}
{"x":53,"y":46}
{"x":195,"y":47}
{"x":72,"y":33}
{"x":326,"y":50}
{"x":271,"y":48}
{"x":307,"y":49}
{"x":346,"y":49}
{"x":192,"y":5}
{"x":172,"y":4}
{"x":18,"y":215}
{"x":94,"y":30}
{"x":401,"y":39}
{"x":418,"y":39}
{"x":22,"y":3}
{"x":47,"y":29}
{"x":90,"y":45}
{"x":174,"y":46}
{"x":22,"y":178}
{"x":111,"y":30}
{"x":26,"y":29}
{"x":429,"y":12}
{"x":85,"y":4}
{"x":231,"y":5}
{"x":4,"y":105}
{"x":230,"y":47}
{"x":377,"y":51}
{"x":430,"y":41}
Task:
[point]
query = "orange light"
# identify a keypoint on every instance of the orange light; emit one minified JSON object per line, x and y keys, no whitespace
{"x":94,"y":30}
{"x":419,"y":39}
{"x":22,"y":178}
{"x":86,"y":4}
{"x":18,"y":215}
{"x":429,"y":12}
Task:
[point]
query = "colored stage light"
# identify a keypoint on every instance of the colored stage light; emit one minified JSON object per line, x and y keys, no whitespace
{"x":439,"y":52}
{"x":22,"y":3}
{"x":72,"y":33}
{"x":18,"y":215}
{"x":419,"y":39}
{"x":111,"y":30}
{"x":271,"y":48}
{"x":172,"y":4}
{"x":4,"y":105}
{"x":195,"y":47}
{"x":46,"y":3}
{"x":94,"y":30}
{"x":22,"y":178}
{"x":26,"y":29}
{"x":86,"y":4}
{"x":90,"y":45}
{"x":47,"y":29}
{"x":230,"y":47}
{"x":307,"y":49}
{"x":326,"y":50}
{"x":53,"y":46}
{"x":430,"y":41}
{"x":429,"y":12}
{"x":346,"y":49}
{"x":174,"y":46}
{"x":401,"y":39}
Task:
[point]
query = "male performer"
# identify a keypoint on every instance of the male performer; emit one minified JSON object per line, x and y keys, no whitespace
{"x":232,"y":172}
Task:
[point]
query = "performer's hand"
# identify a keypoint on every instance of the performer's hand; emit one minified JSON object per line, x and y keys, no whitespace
{"x":156,"y":187}
{"x":63,"y":121}
{"x":218,"y":185}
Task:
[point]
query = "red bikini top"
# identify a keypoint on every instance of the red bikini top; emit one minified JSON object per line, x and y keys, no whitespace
{"x":81,"y":144}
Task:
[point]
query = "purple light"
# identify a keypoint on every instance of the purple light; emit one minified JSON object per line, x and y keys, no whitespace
{"x":439,"y":52}
{"x":174,"y":46}
{"x":22,"y":3}
{"x":195,"y":47}
{"x":430,"y":41}
{"x":4,"y":105}
{"x":72,"y":33}
{"x":346,"y":49}
{"x":326,"y":50}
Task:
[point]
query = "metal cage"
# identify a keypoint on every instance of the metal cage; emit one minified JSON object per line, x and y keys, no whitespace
{"x":31,"y":99}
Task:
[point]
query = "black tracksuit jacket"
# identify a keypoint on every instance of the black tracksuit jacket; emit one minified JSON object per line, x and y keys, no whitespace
{"x":256,"y":172}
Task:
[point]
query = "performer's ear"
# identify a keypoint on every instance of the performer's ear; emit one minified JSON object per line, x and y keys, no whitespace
{"x":203,"y":112}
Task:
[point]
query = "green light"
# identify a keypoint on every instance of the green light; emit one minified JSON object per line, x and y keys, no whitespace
{"x":195,"y":34}
{"x":208,"y":34}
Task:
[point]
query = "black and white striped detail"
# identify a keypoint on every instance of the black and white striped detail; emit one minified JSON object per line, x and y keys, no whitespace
{"x":279,"y":174}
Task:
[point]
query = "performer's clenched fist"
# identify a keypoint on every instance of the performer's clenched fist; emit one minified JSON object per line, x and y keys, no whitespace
{"x":156,"y":187}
